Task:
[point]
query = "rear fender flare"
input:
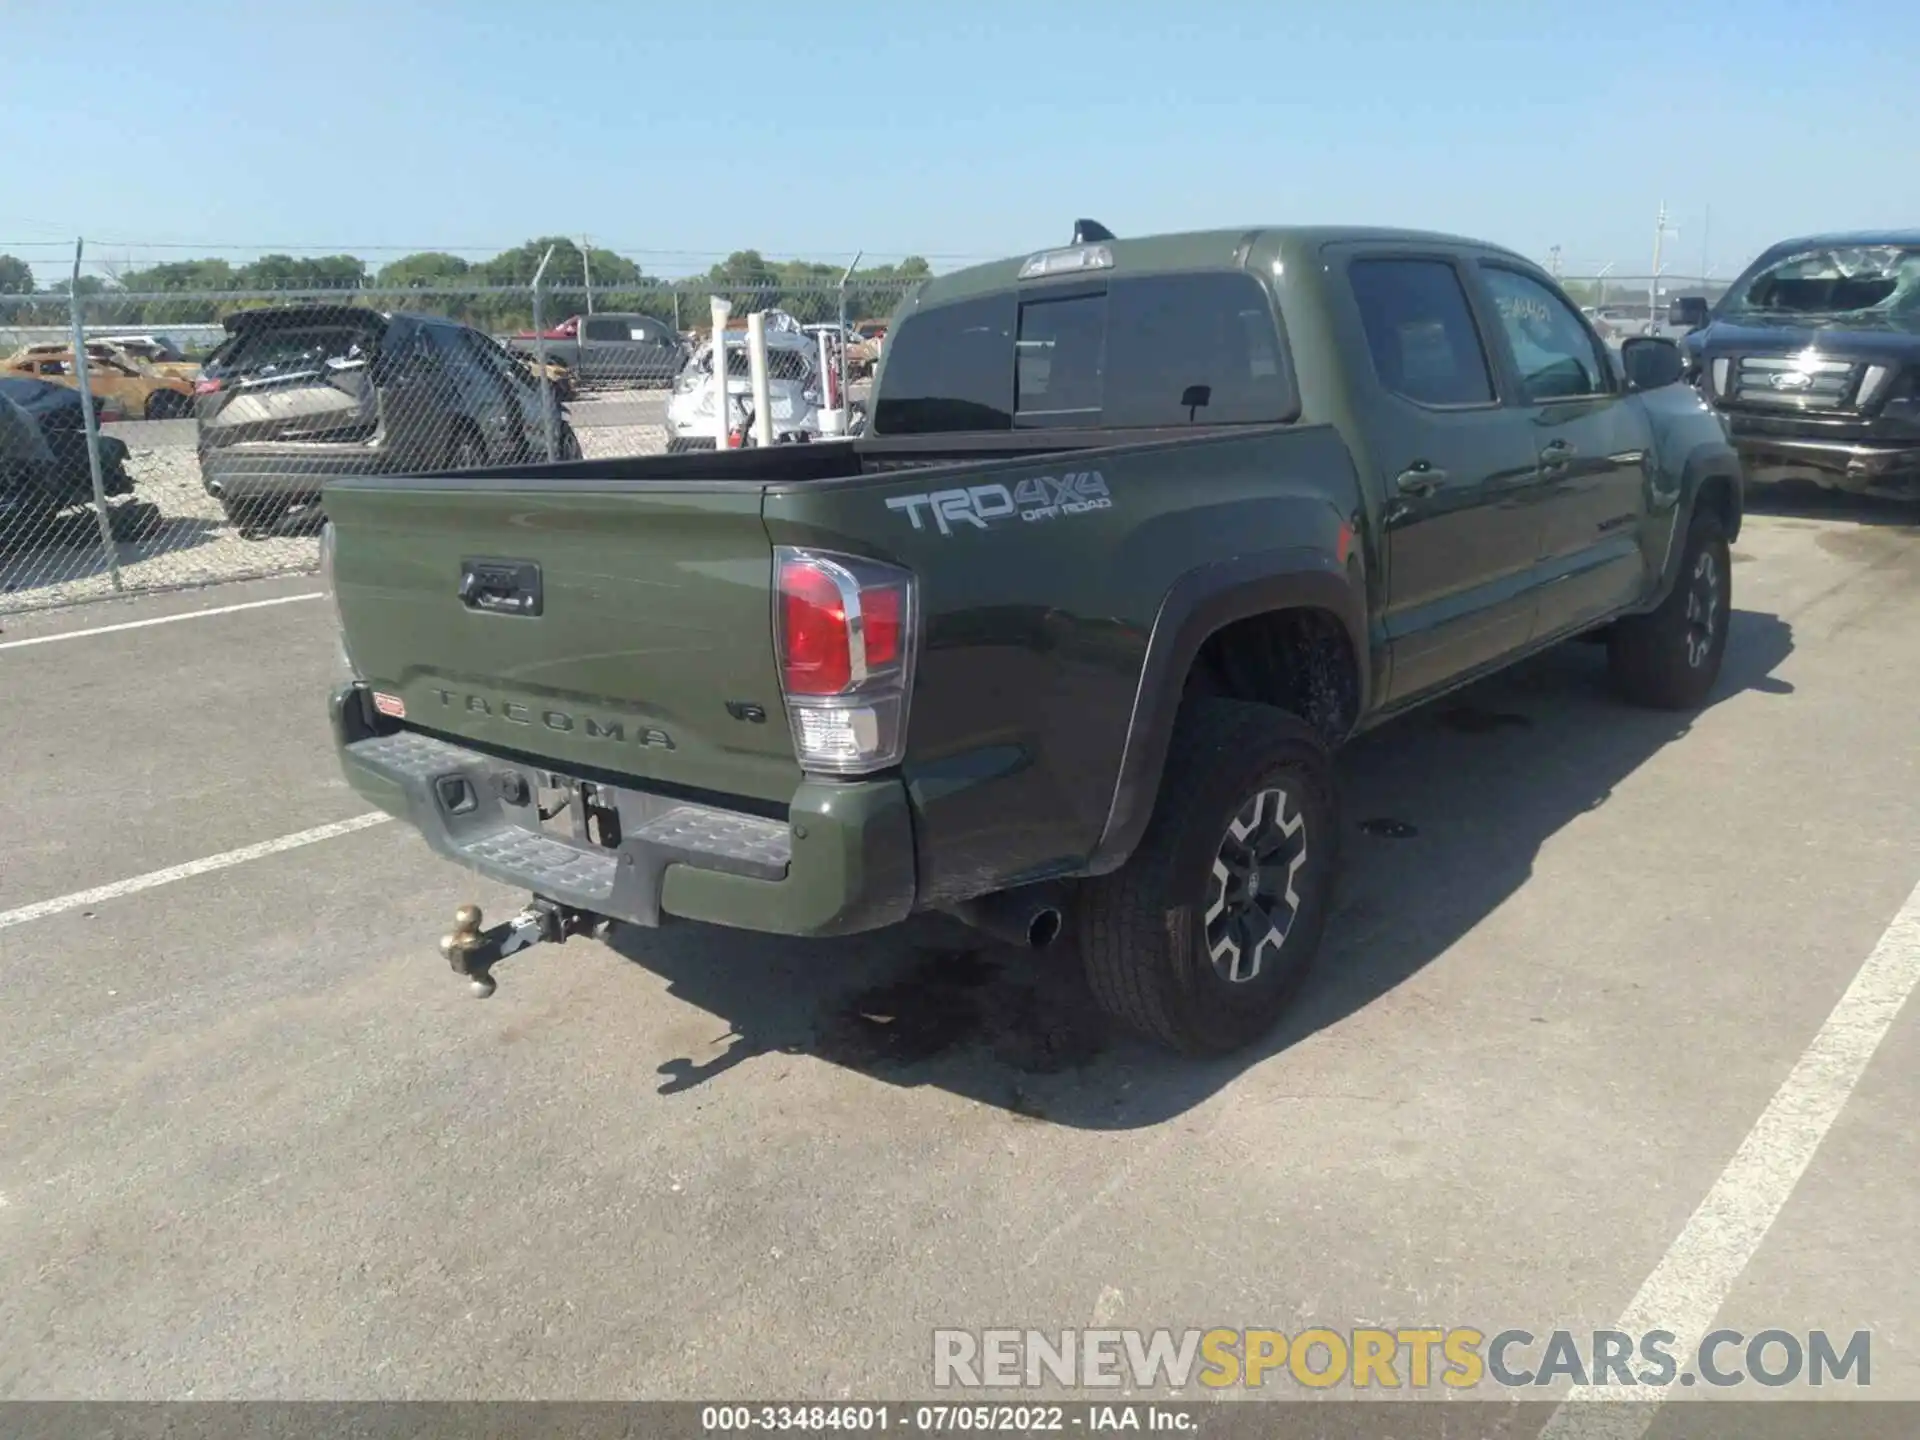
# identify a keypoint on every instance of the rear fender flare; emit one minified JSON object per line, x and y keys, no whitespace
{"x":1200,"y":602}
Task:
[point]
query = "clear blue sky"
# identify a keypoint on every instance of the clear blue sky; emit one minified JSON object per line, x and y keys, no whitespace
{"x":955,"y":131}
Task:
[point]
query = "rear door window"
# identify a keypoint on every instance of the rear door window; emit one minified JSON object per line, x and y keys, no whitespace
{"x":600,"y":328}
{"x":1420,"y":331}
{"x":1152,"y":351}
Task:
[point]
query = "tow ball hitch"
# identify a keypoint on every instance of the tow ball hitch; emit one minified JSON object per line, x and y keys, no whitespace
{"x":474,"y":952}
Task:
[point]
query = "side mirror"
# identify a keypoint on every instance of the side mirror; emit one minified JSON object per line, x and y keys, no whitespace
{"x":1651,"y":362}
{"x":1689,"y":312}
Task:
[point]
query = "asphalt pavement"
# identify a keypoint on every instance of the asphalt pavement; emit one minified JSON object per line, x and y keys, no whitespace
{"x":259,"y":1142}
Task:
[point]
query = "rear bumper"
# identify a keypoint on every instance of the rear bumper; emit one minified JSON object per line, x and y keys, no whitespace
{"x":293,"y":475}
{"x":840,"y":863}
{"x":1842,"y":464}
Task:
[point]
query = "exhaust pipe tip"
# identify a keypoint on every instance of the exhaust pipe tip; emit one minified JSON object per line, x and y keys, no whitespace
{"x":1044,"y":928}
{"x":1027,"y":920}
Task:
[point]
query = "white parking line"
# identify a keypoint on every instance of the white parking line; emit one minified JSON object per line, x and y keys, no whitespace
{"x":1692,"y":1281}
{"x":160,"y":620}
{"x":39,"y":910}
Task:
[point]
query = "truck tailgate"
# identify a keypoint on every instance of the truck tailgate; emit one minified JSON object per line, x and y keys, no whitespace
{"x":626,"y":630}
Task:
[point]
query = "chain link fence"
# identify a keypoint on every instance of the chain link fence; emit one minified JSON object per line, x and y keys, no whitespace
{"x":187,"y":436}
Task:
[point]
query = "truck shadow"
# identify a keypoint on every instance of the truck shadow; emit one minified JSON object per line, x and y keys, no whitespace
{"x":1447,"y":809}
{"x":1805,"y":501}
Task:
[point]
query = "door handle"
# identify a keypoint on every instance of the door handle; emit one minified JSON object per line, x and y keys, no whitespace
{"x":1556,"y":455}
{"x":1419,"y":478}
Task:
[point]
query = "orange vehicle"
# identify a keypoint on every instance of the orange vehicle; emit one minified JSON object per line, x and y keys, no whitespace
{"x":119,"y":381}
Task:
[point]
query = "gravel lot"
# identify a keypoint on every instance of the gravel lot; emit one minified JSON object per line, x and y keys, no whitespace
{"x":258,"y":1142}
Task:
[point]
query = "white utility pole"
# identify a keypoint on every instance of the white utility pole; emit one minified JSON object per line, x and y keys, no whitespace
{"x":1660,"y":233}
{"x":586,"y":270}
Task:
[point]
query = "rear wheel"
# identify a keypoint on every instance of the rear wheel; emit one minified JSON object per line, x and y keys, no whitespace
{"x":167,"y":405}
{"x":132,"y":519}
{"x":1203,"y":938}
{"x":253,"y":516}
{"x":1669,"y":658}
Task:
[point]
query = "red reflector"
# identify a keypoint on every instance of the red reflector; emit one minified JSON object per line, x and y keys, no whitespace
{"x":880,"y":612}
{"x":206,"y":387}
{"x":390,"y":705}
{"x":813,"y":632}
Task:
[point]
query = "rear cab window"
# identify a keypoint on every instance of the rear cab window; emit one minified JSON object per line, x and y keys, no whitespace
{"x":1130,"y":352}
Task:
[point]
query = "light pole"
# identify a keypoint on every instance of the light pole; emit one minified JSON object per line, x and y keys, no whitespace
{"x":1660,"y":233}
{"x":1600,"y":282}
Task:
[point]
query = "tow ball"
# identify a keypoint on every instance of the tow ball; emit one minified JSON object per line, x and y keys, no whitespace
{"x":474,"y":952}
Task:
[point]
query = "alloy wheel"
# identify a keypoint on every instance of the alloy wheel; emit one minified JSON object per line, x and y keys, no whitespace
{"x":1253,"y":899}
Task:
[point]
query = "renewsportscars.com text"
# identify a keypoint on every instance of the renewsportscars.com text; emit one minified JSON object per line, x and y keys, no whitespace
{"x":1417,"y":1358}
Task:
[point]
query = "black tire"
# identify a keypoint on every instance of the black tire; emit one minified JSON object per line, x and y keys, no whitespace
{"x":253,"y":516}
{"x":1669,"y":658}
{"x":1144,"y":930}
{"x":168,"y":405}
{"x":568,"y":443}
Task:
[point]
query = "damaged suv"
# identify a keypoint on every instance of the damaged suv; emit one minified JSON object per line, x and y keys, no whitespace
{"x":1813,"y":357}
{"x":298,"y":393}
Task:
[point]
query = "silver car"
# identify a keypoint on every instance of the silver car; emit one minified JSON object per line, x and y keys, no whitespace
{"x":793,"y":386}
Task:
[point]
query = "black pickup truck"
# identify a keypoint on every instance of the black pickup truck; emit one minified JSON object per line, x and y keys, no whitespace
{"x":1142,"y":531}
{"x":1813,"y":355}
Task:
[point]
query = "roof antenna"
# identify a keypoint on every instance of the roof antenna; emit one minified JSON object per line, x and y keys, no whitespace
{"x":1086,"y":232}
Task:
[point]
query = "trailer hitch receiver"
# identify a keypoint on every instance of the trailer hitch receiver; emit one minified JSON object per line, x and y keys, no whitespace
{"x":474,"y":952}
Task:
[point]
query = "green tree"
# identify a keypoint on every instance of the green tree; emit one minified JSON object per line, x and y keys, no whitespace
{"x":741,"y":269}
{"x":16,"y":276}
{"x":427,"y":270}
{"x":193,"y":276}
{"x":288,"y":272}
{"x":566,"y":271}
{"x":85,"y":285}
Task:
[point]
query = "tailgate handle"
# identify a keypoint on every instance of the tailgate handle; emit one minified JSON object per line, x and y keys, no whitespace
{"x":501,"y":587}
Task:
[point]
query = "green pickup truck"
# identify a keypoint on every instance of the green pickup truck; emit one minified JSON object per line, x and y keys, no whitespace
{"x":1143,"y":529}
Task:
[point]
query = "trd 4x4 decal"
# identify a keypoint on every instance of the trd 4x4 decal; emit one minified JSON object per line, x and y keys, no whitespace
{"x":1039,"y":497}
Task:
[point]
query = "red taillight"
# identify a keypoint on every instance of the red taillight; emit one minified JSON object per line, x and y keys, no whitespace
{"x":206,"y":387}
{"x":816,"y":645}
{"x":846,"y":641}
{"x":880,"y":611}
